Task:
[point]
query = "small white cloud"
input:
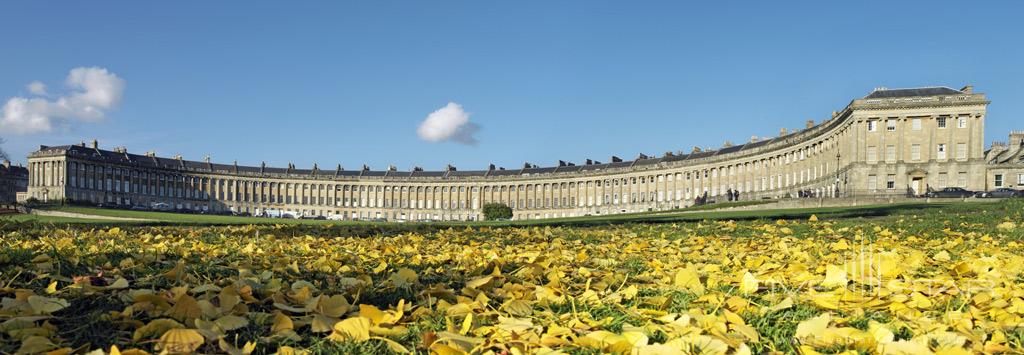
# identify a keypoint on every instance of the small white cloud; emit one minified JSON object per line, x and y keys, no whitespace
{"x":92,"y":93}
{"x":37,"y":88}
{"x":449,"y":123}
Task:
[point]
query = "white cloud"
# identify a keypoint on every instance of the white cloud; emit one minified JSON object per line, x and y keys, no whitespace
{"x":92,"y":92}
{"x":37,"y":88}
{"x":449,"y":123}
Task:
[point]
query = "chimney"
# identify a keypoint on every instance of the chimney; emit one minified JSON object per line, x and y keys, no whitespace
{"x":1016,"y":138}
{"x":152,"y":154}
{"x":810,"y":123}
{"x":95,"y":144}
{"x":967,"y":89}
{"x":121,"y":150}
{"x":727,"y":144}
{"x":490,"y":167}
{"x":783,"y":132}
{"x":753,"y":139}
{"x":7,"y":163}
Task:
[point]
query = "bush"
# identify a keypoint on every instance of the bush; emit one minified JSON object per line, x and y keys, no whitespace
{"x":496,"y":211}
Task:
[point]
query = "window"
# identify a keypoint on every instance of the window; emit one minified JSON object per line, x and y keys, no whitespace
{"x":915,"y":124}
{"x":943,"y":180}
{"x":872,"y":154}
{"x":890,"y":181}
{"x":872,"y":182}
{"x":915,"y":152}
{"x":961,"y":150}
{"x":941,"y":120}
{"x":1020,"y":179}
{"x":872,"y":125}
{"x":961,"y":179}
{"x":941,"y":151}
{"x":999,"y":180}
{"x":890,"y":124}
{"x":961,"y":122}
{"x":890,"y":154}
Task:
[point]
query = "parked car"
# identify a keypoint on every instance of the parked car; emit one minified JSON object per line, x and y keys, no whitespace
{"x":1004,"y":192}
{"x":956,"y":192}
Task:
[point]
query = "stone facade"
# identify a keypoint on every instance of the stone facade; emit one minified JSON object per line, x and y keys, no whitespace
{"x":891,"y":142}
{"x":13,"y":180}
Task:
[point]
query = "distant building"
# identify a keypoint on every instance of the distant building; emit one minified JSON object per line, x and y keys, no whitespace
{"x":892,"y":142}
{"x":13,"y":180}
{"x":1006,"y":163}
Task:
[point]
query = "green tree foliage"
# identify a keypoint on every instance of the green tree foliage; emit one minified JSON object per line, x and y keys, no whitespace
{"x":495,"y":211}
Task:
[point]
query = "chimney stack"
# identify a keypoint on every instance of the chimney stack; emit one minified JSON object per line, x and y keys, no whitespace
{"x":810,"y":123}
{"x":783,"y":132}
{"x":7,"y":163}
{"x":95,"y":144}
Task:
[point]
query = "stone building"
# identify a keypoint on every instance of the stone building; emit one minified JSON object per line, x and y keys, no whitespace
{"x":1006,"y":163}
{"x":13,"y":180}
{"x":894,"y":142}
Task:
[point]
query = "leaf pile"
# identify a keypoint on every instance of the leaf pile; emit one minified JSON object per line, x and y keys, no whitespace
{"x":942,"y":281}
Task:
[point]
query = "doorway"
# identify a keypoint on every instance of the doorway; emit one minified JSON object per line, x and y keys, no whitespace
{"x":915,"y":185}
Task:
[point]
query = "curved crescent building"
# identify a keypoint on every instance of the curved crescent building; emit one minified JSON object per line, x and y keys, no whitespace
{"x":892,"y":142}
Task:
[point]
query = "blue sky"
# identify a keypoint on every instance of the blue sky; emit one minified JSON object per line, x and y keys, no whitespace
{"x":351,"y":83}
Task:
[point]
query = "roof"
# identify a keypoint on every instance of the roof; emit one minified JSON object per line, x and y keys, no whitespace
{"x":13,"y":170}
{"x":912,"y":92}
{"x":125,"y":158}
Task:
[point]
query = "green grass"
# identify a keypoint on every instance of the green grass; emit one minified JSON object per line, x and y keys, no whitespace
{"x":691,"y":214}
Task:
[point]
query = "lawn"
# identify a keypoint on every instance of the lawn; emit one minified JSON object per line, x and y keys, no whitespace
{"x":697,"y":213}
{"x":938,"y":278}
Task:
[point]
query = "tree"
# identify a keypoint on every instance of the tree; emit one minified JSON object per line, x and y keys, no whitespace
{"x":3,"y":154}
{"x":495,"y":211}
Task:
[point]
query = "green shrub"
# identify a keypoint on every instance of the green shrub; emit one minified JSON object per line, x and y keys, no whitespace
{"x":497,"y":211}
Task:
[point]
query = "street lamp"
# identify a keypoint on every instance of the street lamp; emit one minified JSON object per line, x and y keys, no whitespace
{"x":837,"y":174}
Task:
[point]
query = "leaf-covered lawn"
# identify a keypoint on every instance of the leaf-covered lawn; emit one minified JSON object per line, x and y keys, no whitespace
{"x":948,"y":280}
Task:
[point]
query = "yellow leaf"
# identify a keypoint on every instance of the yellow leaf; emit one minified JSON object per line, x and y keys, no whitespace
{"x":519,"y":308}
{"x":381,"y":267}
{"x":941,"y":256}
{"x":355,"y":328}
{"x":748,"y":284}
{"x":393,"y":345}
{"x":281,"y":323}
{"x":784,"y":304}
{"x":480,"y":281}
{"x":52,"y":288}
{"x":687,"y":279}
{"x":35,"y":345}
{"x":1006,"y":226}
{"x":231,"y":322}
{"x":880,"y":333}
{"x":404,"y":278}
{"x":185,"y":308}
{"x":834,"y":277}
{"x":813,"y":326}
{"x":154,"y":328}
{"x":46,"y":305}
{"x":813,"y":218}
{"x":180,"y":341}
{"x":334,"y":306}
{"x":467,"y":323}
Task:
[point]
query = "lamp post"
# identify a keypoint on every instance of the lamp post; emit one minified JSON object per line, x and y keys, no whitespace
{"x":837,"y":174}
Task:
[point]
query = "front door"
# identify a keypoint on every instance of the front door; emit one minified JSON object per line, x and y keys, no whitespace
{"x":915,"y":184}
